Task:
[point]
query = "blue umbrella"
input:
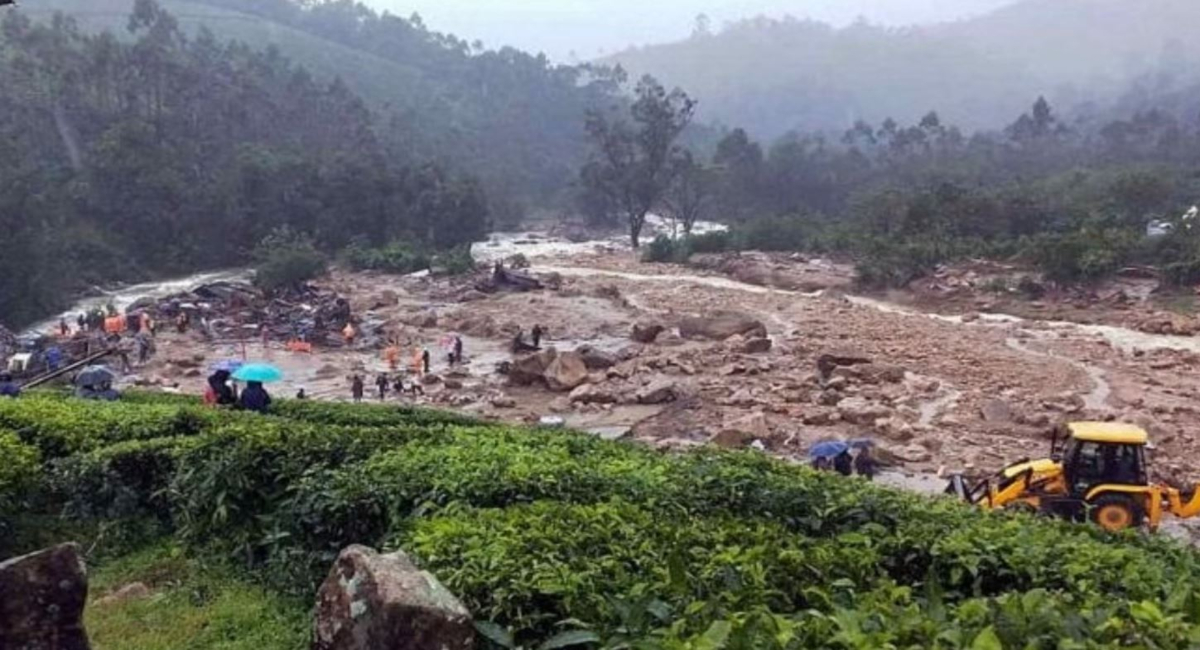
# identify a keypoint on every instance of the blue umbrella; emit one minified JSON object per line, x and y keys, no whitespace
{"x":92,"y":376}
{"x":260,"y":372}
{"x":827,"y":449}
{"x":228,"y":365}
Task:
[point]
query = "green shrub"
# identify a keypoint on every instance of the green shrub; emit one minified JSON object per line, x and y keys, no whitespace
{"x":398,"y":257}
{"x":456,"y":261}
{"x":784,"y":233}
{"x":716,"y":241}
{"x":663,"y":249}
{"x":286,"y":260}
{"x":531,"y":567}
{"x":121,"y":481}
{"x":19,"y":465}
{"x":1084,"y":255}
{"x":60,"y":427}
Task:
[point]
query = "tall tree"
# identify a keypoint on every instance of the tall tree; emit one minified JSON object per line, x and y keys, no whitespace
{"x":691,"y":192}
{"x":634,"y":158}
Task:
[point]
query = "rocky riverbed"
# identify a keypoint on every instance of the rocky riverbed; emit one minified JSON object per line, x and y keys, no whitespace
{"x":764,"y":351}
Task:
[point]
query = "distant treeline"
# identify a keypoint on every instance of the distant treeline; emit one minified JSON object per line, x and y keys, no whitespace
{"x":902,"y":198}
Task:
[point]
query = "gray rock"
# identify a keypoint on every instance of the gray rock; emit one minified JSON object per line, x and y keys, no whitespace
{"x":42,"y":596}
{"x":566,"y":372}
{"x":596,"y":359}
{"x":531,"y":369}
{"x":828,"y":361}
{"x":658,"y":392}
{"x":996,"y":411}
{"x":646,"y":332}
{"x":858,"y":410}
{"x":721,"y":326}
{"x":593,"y":394}
{"x":755,"y":346}
{"x":372,"y":601}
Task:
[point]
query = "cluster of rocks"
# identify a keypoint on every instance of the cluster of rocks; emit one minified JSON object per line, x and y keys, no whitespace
{"x":369,"y":600}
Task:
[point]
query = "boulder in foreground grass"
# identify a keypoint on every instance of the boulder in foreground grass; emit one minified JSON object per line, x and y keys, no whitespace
{"x":41,"y":600}
{"x":384,"y":601}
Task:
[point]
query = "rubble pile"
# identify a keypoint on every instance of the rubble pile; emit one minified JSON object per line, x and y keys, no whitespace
{"x":237,"y":310}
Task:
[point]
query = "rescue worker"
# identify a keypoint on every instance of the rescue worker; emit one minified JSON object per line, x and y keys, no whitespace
{"x":255,"y":398}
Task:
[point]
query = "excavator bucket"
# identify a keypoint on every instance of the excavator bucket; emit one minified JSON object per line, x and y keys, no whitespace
{"x":1189,"y":505}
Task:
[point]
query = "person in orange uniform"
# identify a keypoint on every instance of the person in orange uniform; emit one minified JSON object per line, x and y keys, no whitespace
{"x":391,"y":354}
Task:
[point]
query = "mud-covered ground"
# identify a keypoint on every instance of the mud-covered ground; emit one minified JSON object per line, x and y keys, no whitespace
{"x":964,"y":391}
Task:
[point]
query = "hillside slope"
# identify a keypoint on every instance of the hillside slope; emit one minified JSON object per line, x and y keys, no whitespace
{"x":776,"y":75}
{"x":511,"y":118}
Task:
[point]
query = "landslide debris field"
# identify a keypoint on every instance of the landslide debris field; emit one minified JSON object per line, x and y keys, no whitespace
{"x":770,"y":352}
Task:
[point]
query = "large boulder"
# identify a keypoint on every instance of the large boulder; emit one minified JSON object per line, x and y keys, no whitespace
{"x":566,"y":372}
{"x":755,"y":346}
{"x":646,"y":332}
{"x":996,"y":411}
{"x":738,"y":433}
{"x":42,"y":596}
{"x":832,"y":359}
{"x":371,"y":601}
{"x":531,"y":368}
{"x":658,"y":392}
{"x":596,"y":359}
{"x":721,"y":325}
{"x":859,"y":410}
{"x":593,"y":394}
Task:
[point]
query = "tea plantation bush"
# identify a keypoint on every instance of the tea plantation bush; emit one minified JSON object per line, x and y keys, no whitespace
{"x":567,"y":540}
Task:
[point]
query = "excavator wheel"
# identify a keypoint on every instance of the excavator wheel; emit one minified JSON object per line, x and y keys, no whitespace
{"x":1115,"y":512}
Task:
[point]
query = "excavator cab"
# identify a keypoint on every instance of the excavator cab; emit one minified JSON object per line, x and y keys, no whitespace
{"x":1096,"y":471}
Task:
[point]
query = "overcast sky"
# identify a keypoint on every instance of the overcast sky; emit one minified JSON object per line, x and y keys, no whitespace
{"x":589,"y":28}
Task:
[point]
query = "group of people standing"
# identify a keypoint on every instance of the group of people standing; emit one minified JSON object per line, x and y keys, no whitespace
{"x":846,"y":463}
{"x":384,"y":384}
{"x":254,"y":397}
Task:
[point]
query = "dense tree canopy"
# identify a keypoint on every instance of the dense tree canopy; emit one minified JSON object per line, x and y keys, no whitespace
{"x":160,"y":153}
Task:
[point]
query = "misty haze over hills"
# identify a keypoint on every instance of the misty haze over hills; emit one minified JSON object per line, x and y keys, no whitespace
{"x":774,"y":75}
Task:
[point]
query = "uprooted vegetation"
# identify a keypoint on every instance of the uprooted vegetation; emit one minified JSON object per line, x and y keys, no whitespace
{"x":546,"y":534}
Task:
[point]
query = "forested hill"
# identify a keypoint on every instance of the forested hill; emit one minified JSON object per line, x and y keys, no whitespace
{"x":510,"y":118}
{"x":773,"y":76}
{"x":161,"y":153}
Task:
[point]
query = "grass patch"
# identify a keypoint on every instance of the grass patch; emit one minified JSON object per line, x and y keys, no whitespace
{"x":192,"y":604}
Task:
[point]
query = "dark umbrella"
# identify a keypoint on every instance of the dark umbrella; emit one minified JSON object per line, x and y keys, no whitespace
{"x":93,"y":376}
{"x":827,"y":449}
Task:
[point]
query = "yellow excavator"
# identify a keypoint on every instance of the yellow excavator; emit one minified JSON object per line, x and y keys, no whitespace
{"x":1096,"y":471}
